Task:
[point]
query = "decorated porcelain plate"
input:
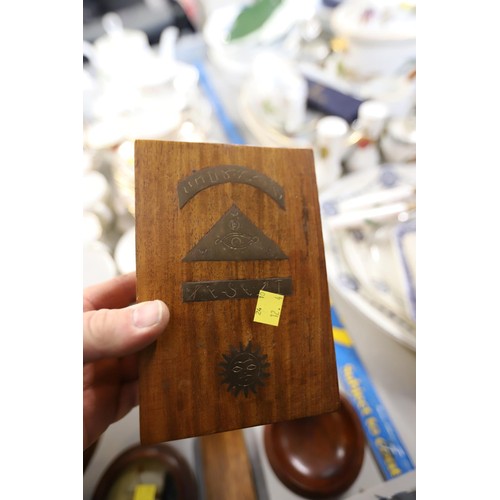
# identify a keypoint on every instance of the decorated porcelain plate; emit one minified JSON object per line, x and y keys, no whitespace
{"x":369,"y":228}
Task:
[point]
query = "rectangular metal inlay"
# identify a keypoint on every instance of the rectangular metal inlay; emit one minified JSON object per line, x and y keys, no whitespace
{"x":201,"y":291}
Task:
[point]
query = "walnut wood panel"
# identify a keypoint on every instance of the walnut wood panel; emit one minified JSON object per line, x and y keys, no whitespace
{"x":227,"y":471}
{"x":181,"y":389}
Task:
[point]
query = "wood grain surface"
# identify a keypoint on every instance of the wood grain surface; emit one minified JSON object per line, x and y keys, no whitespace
{"x":227,"y":470}
{"x":182,"y":393}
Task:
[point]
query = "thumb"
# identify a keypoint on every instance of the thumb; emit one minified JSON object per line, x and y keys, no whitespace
{"x":118,"y":332}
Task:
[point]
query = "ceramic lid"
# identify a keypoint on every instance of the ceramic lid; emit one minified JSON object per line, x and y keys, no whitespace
{"x":332,"y":127}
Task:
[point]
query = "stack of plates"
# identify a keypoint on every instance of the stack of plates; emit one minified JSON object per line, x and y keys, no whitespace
{"x":369,"y":227}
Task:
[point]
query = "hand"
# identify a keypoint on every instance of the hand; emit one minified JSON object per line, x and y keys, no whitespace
{"x":114,"y":331}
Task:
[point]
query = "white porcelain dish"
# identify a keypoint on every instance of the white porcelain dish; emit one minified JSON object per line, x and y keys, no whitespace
{"x":370,"y":246}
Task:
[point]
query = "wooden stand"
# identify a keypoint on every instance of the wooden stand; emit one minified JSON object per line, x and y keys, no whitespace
{"x":227,"y":470}
{"x":216,"y":225}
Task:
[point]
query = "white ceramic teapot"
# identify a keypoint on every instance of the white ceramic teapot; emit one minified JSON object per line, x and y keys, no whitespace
{"x":134,"y":93}
{"x":125,"y":55}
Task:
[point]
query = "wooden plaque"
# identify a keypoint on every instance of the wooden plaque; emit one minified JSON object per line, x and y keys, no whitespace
{"x":230,"y":238}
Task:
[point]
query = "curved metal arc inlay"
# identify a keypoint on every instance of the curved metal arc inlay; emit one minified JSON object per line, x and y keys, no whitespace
{"x":222,"y":174}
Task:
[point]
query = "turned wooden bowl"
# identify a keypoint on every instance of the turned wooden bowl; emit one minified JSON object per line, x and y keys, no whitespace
{"x":320,"y":456}
{"x":159,"y":464}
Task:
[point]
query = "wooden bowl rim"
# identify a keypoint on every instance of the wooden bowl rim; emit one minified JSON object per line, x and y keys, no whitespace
{"x":167,"y":455}
{"x":323,"y":488}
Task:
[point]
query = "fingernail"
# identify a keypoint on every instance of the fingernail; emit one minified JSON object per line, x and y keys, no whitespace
{"x":147,"y":314}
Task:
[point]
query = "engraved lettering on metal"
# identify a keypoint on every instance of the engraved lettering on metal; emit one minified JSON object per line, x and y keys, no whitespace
{"x":221,"y":174}
{"x":235,"y":237}
{"x":244,"y":369}
{"x":203,"y":291}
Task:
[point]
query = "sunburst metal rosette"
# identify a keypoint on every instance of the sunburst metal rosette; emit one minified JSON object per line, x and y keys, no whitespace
{"x":244,"y":369}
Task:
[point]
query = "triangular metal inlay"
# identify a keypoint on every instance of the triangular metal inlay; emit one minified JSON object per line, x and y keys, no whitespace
{"x":235,"y":237}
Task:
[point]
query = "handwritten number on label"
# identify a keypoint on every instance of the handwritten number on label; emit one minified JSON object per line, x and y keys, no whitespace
{"x":268,"y":308}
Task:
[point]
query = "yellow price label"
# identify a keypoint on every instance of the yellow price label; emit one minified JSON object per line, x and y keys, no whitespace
{"x":145,"y":492}
{"x":268,"y":309}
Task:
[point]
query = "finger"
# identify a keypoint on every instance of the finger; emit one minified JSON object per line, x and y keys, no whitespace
{"x":128,"y":399}
{"x":118,"y":332}
{"x":114,"y":293}
{"x":97,"y":419}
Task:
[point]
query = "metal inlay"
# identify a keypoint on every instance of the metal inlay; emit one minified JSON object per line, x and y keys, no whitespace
{"x":222,"y":174}
{"x":203,"y":291}
{"x":235,"y":237}
{"x":244,"y":369}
